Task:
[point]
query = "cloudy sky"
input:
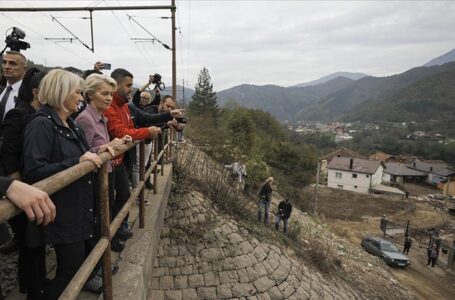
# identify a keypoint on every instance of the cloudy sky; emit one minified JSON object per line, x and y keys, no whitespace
{"x":256,"y":42}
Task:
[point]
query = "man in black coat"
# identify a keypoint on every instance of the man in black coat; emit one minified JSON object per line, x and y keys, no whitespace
{"x":284,"y":212}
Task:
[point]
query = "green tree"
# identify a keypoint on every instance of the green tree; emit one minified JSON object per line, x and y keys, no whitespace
{"x":204,"y":98}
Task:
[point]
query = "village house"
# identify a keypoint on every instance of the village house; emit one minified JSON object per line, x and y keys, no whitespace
{"x":437,"y":171}
{"x":354,"y":174}
{"x":339,"y":152}
{"x":396,"y":173}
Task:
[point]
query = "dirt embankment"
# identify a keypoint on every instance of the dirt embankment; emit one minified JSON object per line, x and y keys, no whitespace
{"x":359,"y":215}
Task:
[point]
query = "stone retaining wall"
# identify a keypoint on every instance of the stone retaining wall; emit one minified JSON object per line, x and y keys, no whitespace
{"x":222,"y":261}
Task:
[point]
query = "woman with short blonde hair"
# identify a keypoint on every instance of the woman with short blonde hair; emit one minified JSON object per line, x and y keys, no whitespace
{"x":94,"y":81}
{"x":57,"y":86}
{"x":53,"y":142}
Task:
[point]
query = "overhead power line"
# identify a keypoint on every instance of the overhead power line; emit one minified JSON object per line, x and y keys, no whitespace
{"x":75,"y":36}
{"x":151,"y":34}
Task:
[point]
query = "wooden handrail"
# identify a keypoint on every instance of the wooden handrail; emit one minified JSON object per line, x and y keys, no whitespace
{"x":62,"y":179}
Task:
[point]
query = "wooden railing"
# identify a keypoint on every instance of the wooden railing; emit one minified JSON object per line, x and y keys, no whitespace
{"x":102,"y":248}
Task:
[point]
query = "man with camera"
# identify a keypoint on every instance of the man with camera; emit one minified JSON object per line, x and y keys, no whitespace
{"x":141,"y":99}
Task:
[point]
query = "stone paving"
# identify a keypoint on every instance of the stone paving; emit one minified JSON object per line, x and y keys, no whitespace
{"x":225,"y":262}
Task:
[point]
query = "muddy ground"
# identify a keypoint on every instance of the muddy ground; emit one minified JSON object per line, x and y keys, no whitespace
{"x":353,"y":215}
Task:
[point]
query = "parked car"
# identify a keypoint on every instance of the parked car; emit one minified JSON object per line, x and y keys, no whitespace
{"x":436,"y":196}
{"x":386,"y":250}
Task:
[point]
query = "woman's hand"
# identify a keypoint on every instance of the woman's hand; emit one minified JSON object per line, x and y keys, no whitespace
{"x":91,"y":157}
{"x":127,"y":139}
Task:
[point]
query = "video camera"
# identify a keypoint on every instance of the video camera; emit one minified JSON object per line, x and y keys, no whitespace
{"x":13,"y":40}
{"x":156,"y":79}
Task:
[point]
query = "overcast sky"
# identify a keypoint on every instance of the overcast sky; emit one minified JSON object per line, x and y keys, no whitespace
{"x":256,"y":42}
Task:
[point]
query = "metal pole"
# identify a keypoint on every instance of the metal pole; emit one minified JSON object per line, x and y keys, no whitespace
{"x":91,"y":31}
{"x":105,"y":232}
{"x":141,"y":178}
{"x":407,"y":229}
{"x":316,"y":188}
{"x":40,"y":9}
{"x":163,"y":140}
{"x":155,"y":154}
{"x":183,"y":91}
{"x":174,"y":60}
{"x":447,"y":193}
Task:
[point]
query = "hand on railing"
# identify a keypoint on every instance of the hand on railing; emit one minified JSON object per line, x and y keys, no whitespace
{"x":34,"y":202}
{"x":154,"y":131}
{"x":127,"y":139}
{"x":94,"y":158}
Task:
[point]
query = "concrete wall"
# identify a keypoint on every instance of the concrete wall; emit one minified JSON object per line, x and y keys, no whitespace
{"x":133,"y":279}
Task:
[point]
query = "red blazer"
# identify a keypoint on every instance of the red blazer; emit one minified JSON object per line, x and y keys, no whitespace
{"x":119,"y":124}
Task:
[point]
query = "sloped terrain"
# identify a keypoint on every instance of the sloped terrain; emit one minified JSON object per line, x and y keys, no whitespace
{"x":213,"y":248}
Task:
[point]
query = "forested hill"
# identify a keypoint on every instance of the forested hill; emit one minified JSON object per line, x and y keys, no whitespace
{"x":408,"y":95}
{"x":281,"y":102}
{"x":431,"y":98}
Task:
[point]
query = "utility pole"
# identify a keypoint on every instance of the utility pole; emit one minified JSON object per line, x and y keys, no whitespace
{"x":174,"y":63}
{"x":183,"y":92}
{"x":447,"y":193}
{"x":316,"y":188}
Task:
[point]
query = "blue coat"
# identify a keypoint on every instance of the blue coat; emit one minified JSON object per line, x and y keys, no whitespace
{"x":51,"y":147}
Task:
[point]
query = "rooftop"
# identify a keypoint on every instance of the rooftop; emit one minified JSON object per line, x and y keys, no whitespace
{"x":358,"y":165}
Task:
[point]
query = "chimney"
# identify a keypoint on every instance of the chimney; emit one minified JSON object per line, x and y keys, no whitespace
{"x":351,"y":163}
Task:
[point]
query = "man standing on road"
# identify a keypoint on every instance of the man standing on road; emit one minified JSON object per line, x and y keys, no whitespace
{"x":407,"y":244}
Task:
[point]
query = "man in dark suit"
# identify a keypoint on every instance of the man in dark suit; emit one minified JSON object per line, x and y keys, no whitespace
{"x":14,"y":65}
{"x":13,"y":68}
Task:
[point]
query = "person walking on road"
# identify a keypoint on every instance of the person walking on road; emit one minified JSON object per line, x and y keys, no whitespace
{"x":407,"y":244}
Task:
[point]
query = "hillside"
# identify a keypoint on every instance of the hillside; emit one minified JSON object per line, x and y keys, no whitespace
{"x":349,"y":101}
{"x":281,"y":102}
{"x":443,"y":59}
{"x":430,"y":98}
{"x":212,"y":248}
{"x":349,"y":75}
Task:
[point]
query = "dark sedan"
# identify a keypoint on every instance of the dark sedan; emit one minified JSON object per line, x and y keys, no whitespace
{"x":386,"y":250}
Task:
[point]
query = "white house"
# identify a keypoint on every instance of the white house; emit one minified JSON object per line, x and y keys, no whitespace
{"x":354,"y":174}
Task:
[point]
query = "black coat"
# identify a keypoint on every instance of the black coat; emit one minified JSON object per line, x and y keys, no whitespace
{"x":4,"y":185}
{"x":284,"y":209}
{"x":266,"y":191}
{"x":12,"y":135}
{"x":51,"y":147}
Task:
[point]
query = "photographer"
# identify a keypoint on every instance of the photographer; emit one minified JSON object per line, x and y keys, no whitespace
{"x":141,"y":99}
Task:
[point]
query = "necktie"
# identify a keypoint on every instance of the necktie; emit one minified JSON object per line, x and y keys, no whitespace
{"x":3,"y":102}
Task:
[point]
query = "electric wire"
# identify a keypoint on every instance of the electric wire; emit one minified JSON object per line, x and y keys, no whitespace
{"x":142,"y":51}
{"x":189,"y":42}
{"x":181,"y":51}
{"x":39,"y":34}
{"x":128,"y":34}
{"x":56,"y":43}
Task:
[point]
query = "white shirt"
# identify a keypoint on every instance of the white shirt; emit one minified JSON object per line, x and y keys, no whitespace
{"x":10,"y":104}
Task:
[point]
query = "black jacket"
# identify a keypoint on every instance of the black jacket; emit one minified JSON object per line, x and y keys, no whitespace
{"x":5,"y":182}
{"x":12,"y":135}
{"x":284,"y":209}
{"x":51,"y":147}
{"x":144,"y":119}
{"x":266,"y":191}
